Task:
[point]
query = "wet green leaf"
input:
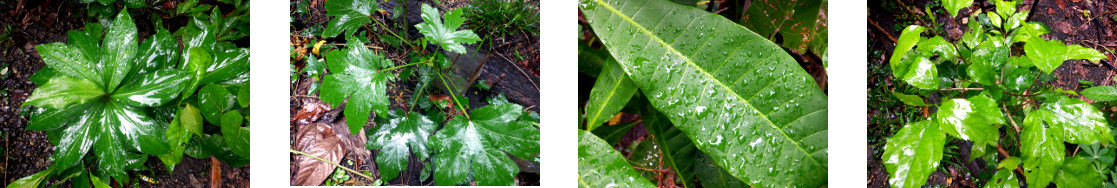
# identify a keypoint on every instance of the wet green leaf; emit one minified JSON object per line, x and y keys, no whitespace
{"x":613,"y":133}
{"x":31,"y":181}
{"x":356,"y":77}
{"x":938,"y":45}
{"x":1016,"y":20}
{"x":478,"y":146}
{"x":1027,"y":30}
{"x":1078,"y":172}
{"x":1004,"y":178}
{"x":79,"y":138}
{"x":679,"y":152}
{"x":46,"y":119}
{"x":986,"y":62}
{"x":1009,"y":163}
{"x":908,"y":39}
{"x":70,"y":61}
{"x":119,"y":50}
{"x":214,"y":100}
{"x":349,"y":16}
{"x":694,"y":80}
{"x":1080,"y":122}
{"x":1101,"y":93}
{"x":445,"y":31}
{"x":590,"y":61}
{"x":244,"y":94}
{"x":236,"y":137}
{"x":914,"y":100}
{"x":1005,"y":8}
{"x":920,"y":72}
{"x":1041,"y":148}
{"x":158,"y":52}
{"x":913,"y":153}
{"x":975,"y":35}
{"x":1019,"y":79}
{"x":952,"y":6}
{"x":710,"y":175}
{"x":177,"y":136}
{"x":610,"y":93}
{"x":153,"y":88}
{"x":397,"y":139}
{"x":971,"y":119}
{"x":794,"y":20}
{"x":63,"y":91}
{"x":601,"y":166}
{"x":1049,"y":54}
{"x":227,"y":64}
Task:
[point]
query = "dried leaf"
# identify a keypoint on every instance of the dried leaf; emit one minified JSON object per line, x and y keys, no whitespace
{"x":319,"y":140}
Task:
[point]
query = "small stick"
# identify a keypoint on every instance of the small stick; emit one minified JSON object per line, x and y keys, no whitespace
{"x":335,"y":164}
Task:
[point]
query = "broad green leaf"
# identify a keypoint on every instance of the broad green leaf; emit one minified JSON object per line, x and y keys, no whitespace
{"x":1019,"y":79}
{"x":908,"y":39}
{"x":197,"y":59}
{"x":914,"y":100}
{"x":31,"y":181}
{"x":613,"y":133}
{"x":244,"y":95}
{"x":952,"y":6}
{"x":971,"y":119}
{"x":1049,"y":54}
{"x":445,"y":31}
{"x":1005,"y":8}
{"x":695,"y":81}
{"x":349,"y":16}
{"x":397,"y":139}
{"x":79,"y":138}
{"x":132,"y":131}
{"x":97,"y":183}
{"x":158,"y":52}
{"x":938,"y":45}
{"x":191,"y":119}
{"x":601,"y":166}
{"x":1028,"y":30}
{"x":1041,"y":148}
{"x":590,"y":61}
{"x":236,"y":137}
{"x":356,"y":77}
{"x":177,"y":136}
{"x":227,"y":64}
{"x":120,"y":49}
{"x":610,"y":93}
{"x":1101,"y":93}
{"x":986,"y":62}
{"x":213,"y":101}
{"x":1016,"y":20}
{"x":46,"y":119}
{"x":1078,"y":172}
{"x":1009,"y":163}
{"x":920,"y":72}
{"x":1080,"y":122}
{"x":152,"y":89}
{"x":794,"y":20}
{"x":63,"y":91}
{"x":975,"y":35}
{"x":71,"y":61}
{"x":995,"y":19}
{"x":1004,"y":178}
{"x":913,"y":153}
{"x":710,"y":175}
{"x":478,"y":146}
{"x":678,"y":150}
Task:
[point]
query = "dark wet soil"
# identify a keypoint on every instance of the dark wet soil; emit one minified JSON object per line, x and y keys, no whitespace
{"x":517,"y":79}
{"x":27,"y":152}
{"x":1065,"y":18}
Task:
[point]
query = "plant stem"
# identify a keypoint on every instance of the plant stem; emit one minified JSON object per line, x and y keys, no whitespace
{"x":962,"y":89}
{"x":1013,"y":122}
{"x":392,"y":32}
{"x":401,"y":66}
{"x":454,"y":97}
{"x":335,"y":164}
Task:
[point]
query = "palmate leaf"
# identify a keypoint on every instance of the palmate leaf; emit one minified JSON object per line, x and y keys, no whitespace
{"x":795,"y":20}
{"x":770,"y":114}
{"x":610,"y":93}
{"x":478,"y":146}
{"x":446,"y":33}
{"x":356,"y":76}
{"x":397,"y":139}
{"x":601,"y":166}
{"x":1049,"y":54}
{"x":913,"y":154}
{"x":349,"y":16}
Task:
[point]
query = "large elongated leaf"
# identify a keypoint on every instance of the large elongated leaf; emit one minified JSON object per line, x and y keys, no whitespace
{"x":740,"y":98}
{"x":679,"y":151}
{"x":158,"y":52}
{"x":913,"y":153}
{"x":952,"y":6}
{"x":971,"y":119}
{"x":120,"y":49}
{"x":610,"y":93}
{"x":71,"y":61}
{"x":1101,"y":93}
{"x":1049,"y":54}
{"x":349,"y":16}
{"x":63,"y":91}
{"x":79,"y":139}
{"x":446,"y":33}
{"x":479,"y":146}
{"x":601,"y":166}
{"x":356,"y":77}
{"x":794,"y":19}
{"x":397,"y":140}
{"x":1004,"y":178}
{"x":153,"y":88}
{"x":1041,"y":147}
{"x":1080,"y":122}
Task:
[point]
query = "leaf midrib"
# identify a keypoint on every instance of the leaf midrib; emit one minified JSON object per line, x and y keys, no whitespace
{"x":707,"y":75}
{"x":609,"y":97}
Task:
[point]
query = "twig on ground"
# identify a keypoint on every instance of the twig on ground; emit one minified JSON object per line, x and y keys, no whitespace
{"x":335,"y":164}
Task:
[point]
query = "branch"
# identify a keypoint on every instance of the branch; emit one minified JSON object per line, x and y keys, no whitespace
{"x":962,"y":89}
{"x":1013,"y":122}
{"x":1004,"y":153}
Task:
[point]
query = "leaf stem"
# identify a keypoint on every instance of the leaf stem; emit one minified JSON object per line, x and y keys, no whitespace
{"x":332,"y":163}
{"x":962,"y":89}
{"x":392,"y":32}
{"x":454,"y":97}
{"x":1012,"y":122}
{"x":401,"y":66}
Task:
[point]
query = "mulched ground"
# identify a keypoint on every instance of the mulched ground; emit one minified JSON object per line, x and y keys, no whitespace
{"x":1065,"y":19}
{"x":27,"y":152}
{"x":517,"y":80}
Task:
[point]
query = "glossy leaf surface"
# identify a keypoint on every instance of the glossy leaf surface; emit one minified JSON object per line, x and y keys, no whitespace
{"x":601,"y":166}
{"x":356,"y":77}
{"x":63,"y":91}
{"x":119,"y":50}
{"x":478,"y":146}
{"x":1049,"y":54}
{"x":908,"y":39}
{"x":1080,"y":122}
{"x":31,"y":181}
{"x":236,"y":137}
{"x":397,"y":140}
{"x":986,"y":62}
{"x":153,"y":88}
{"x":1004,"y":178}
{"x":445,"y":31}
{"x":913,"y":154}
{"x":952,"y":6}
{"x":214,"y":101}
{"x":349,"y":16}
{"x":778,"y":112}
{"x":1041,"y":148}
{"x":914,"y":100}
{"x":610,"y":93}
{"x":971,"y":119}
{"x":794,"y":19}
{"x":1101,"y":93}
{"x":1078,"y":172}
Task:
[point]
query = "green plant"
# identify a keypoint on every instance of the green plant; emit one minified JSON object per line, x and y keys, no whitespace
{"x":444,"y":32}
{"x":985,"y":86}
{"x":723,"y":104}
{"x":120,"y":99}
{"x":499,"y":18}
